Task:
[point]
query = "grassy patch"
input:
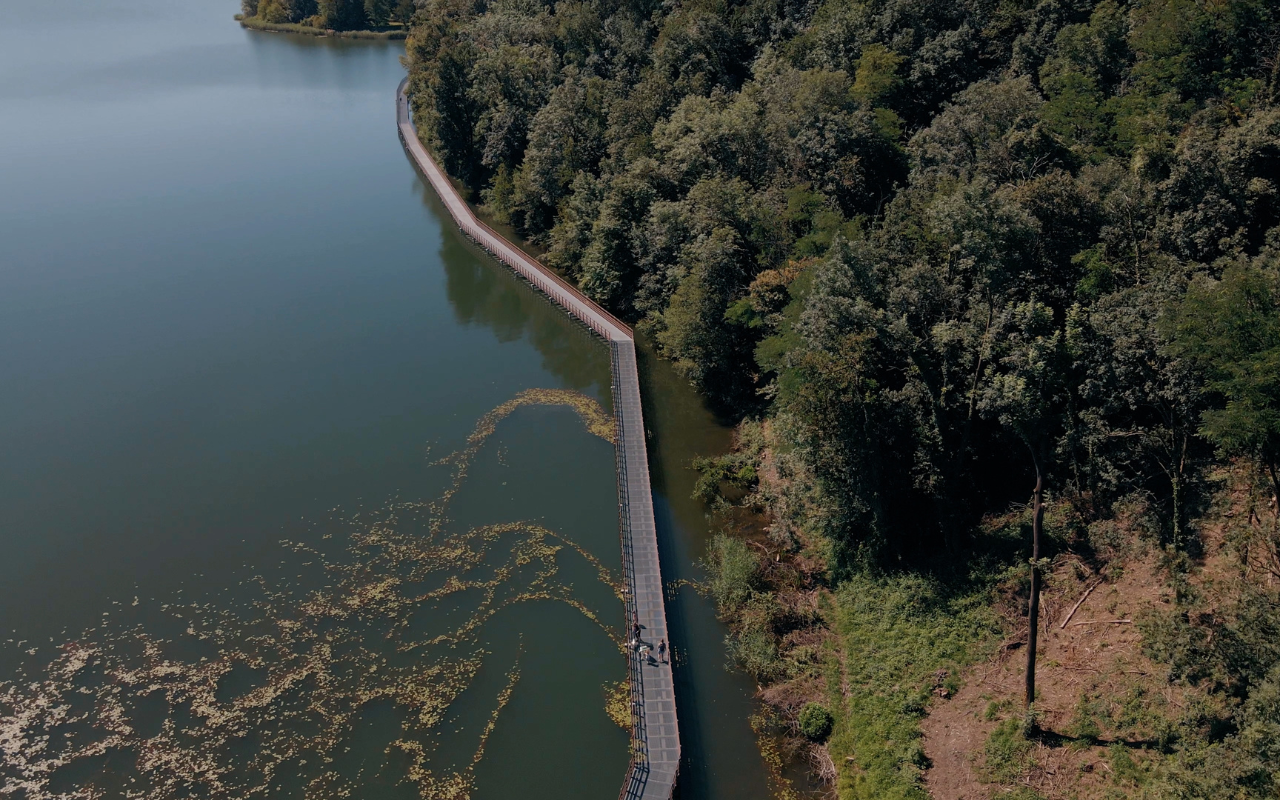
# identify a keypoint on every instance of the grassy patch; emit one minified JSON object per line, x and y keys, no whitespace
{"x":1083,"y":727}
{"x":1007,"y":753}
{"x":901,"y":636}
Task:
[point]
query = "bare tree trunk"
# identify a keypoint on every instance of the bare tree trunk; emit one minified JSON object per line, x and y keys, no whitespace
{"x":1177,"y":497}
{"x":1033,"y":610}
{"x":1275,"y":487}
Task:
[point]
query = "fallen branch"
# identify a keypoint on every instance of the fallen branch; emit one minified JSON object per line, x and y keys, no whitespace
{"x":1079,"y":603}
{"x":1103,"y":622}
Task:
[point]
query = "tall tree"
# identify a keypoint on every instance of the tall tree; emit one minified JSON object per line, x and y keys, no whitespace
{"x":378,"y":12}
{"x":1231,"y":328}
{"x":1024,"y":392}
{"x":341,"y":15}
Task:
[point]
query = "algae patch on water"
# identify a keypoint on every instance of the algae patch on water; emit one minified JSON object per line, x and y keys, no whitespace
{"x":617,"y":703}
{"x":269,"y":694}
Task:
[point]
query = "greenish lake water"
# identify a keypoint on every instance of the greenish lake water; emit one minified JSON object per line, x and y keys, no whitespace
{"x":282,"y":508}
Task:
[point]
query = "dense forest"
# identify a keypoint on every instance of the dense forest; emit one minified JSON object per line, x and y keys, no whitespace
{"x":928,"y":253}
{"x":338,"y":15}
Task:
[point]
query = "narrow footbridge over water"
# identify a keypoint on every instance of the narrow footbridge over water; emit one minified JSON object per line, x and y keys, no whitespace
{"x":655,"y":738}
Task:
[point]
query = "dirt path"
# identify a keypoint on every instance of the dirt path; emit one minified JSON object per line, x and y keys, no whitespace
{"x":1094,"y":660}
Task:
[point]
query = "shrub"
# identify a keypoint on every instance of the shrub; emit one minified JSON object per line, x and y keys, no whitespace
{"x":756,"y":652}
{"x":734,"y":572}
{"x":815,"y":722}
{"x":733,"y":471}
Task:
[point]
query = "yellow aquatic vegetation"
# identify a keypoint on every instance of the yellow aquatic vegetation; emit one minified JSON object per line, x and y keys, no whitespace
{"x":593,"y":416}
{"x":617,"y":703}
{"x":764,"y":724}
{"x":393,"y":617}
{"x":595,"y":419}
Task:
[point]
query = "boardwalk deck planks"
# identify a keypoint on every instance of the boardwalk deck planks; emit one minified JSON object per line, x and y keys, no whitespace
{"x":655,"y":734}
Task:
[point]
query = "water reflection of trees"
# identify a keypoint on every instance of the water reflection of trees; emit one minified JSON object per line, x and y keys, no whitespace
{"x":483,"y":292}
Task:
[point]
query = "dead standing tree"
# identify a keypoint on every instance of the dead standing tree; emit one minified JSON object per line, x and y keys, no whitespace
{"x":1033,"y":605}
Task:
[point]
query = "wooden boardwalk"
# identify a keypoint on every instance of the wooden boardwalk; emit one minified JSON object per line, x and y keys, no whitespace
{"x":655,"y":735}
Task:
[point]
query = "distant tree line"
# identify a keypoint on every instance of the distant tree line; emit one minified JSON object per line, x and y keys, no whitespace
{"x":341,"y":15}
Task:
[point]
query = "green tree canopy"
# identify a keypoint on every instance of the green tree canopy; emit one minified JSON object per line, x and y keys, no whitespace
{"x":1230,"y":328}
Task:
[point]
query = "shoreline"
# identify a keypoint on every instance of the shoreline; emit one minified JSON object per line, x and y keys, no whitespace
{"x":255,"y":24}
{"x":655,"y":747}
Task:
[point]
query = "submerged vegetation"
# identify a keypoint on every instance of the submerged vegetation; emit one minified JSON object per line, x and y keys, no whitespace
{"x":273,"y":693}
{"x":925,"y":252}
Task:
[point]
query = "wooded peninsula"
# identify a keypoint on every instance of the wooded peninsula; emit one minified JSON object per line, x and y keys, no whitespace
{"x":330,"y":16}
{"x":991,"y":289}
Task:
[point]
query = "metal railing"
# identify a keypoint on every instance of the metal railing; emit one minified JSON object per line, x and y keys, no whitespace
{"x":638,"y":768}
{"x":552,"y":285}
{"x":596,"y":319}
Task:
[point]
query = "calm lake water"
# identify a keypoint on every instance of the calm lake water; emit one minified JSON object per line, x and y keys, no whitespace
{"x":298,"y":490}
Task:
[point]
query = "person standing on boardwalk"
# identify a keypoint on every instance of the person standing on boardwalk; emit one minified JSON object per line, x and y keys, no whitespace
{"x":662,"y":651}
{"x":635,"y":631}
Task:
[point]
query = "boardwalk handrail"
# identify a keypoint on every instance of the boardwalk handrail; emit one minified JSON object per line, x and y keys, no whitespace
{"x":652,"y":771}
{"x":564,"y":293}
{"x":568,"y":288}
{"x":637,"y":770}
